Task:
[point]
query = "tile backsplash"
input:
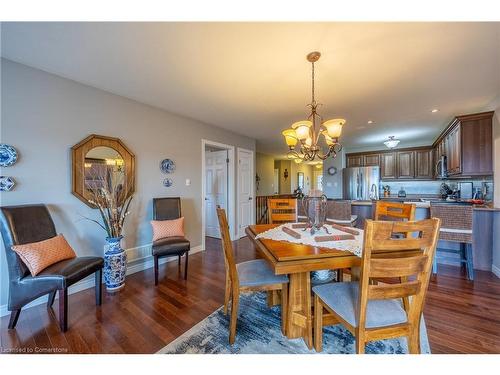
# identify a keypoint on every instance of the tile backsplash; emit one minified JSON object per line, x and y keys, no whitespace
{"x":432,"y":187}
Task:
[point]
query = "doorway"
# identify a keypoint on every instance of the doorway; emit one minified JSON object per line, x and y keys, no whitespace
{"x":246,"y":192}
{"x":218,"y":187}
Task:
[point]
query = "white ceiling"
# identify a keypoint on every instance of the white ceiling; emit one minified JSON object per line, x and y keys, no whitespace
{"x":253,"y":78}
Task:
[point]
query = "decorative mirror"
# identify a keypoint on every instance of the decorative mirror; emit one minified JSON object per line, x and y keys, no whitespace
{"x":97,"y":157}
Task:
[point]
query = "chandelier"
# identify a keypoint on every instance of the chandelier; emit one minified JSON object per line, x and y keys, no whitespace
{"x":303,"y":138}
{"x":391,"y":142}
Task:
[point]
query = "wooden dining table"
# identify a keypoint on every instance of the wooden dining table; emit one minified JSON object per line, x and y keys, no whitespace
{"x":297,"y":261}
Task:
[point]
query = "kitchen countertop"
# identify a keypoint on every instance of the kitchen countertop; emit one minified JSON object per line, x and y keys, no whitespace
{"x":423,"y":204}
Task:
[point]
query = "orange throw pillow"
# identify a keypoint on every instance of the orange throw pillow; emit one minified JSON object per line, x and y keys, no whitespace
{"x":167,"y":228}
{"x":39,"y":255}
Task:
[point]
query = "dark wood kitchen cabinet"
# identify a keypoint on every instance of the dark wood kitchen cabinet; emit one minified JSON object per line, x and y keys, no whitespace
{"x":424,"y":164}
{"x":405,"y":165}
{"x":468,"y":145}
{"x":354,"y":160}
{"x":371,"y":160}
{"x":388,"y":166}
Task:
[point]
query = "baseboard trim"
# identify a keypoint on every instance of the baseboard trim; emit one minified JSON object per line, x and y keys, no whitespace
{"x":495,"y":270}
{"x":138,"y":260}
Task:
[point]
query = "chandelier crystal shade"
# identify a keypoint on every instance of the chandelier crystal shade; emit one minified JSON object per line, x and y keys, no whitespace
{"x":304,"y":137}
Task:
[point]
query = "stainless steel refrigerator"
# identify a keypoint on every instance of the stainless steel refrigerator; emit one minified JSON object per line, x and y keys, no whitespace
{"x":361,"y":183}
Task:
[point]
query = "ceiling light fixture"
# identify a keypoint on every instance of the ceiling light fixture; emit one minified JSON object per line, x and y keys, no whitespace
{"x":307,"y":134}
{"x":391,"y":142}
{"x":435,"y":110}
{"x":371,"y":121}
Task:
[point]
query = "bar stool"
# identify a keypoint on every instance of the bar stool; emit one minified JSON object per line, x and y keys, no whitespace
{"x":456,"y":226}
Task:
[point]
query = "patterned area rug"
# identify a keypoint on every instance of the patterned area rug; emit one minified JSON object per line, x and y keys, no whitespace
{"x":259,"y":332}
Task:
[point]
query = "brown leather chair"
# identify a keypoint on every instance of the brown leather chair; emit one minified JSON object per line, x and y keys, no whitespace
{"x":32,"y":223}
{"x":169,"y":209}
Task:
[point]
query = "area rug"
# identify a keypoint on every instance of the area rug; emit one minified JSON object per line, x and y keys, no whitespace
{"x":259,"y":332}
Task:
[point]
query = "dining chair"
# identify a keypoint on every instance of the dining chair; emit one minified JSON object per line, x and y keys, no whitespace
{"x":339,"y":212}
{"x":282,"y":210}
{"x":169,"y":209}
{"x":394,"y":211}
{"x":456,"y":226}
{"x":375,"y":312}
{"x":253,"y":275}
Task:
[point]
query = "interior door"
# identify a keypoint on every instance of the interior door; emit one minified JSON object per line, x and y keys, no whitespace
{"x":245,"y":191}
{"x":215,"y":189}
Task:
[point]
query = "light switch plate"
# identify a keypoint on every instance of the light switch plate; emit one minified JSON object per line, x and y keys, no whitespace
{"x":188,"y":182}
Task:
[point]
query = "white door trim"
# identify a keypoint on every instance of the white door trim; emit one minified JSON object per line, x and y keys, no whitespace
{"x":231,"y":188}
{"x":239,"y":149}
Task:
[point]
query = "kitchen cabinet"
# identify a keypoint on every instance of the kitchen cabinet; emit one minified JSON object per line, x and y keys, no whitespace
{"x":405,"y":164}
{"x":453,"y":151}
{"x":468,"y":146}
{"x":371,"y":160}
{"x":424,"y":164}
{"x":388,"y":166}
{"x":355,"y":160}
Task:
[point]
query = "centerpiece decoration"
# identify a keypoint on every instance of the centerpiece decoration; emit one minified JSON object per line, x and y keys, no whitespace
{"x":315,"y":207}
{"x":111,"y":193}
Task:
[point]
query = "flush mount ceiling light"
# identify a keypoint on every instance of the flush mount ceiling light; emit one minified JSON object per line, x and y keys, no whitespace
{"x":391,"y":142}
{"x":435,"y":110}
{"x":371,"y":122}
{"x":306,"y":133}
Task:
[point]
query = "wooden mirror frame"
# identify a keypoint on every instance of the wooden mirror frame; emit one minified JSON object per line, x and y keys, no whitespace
{"x":78,"y":153}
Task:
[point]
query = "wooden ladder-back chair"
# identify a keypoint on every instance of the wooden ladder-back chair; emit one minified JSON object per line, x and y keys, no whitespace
{"x":394,"y":211}
{"x":282,"y":210}
{"x":375,"y":312}
{"x":253,"y":275}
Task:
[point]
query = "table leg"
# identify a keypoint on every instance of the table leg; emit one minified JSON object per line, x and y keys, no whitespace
{"x":299,"y":308}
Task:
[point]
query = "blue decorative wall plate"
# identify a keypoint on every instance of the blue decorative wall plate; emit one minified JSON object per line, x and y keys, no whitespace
{"x":167,"y":182}
{"x":6,"y":183}
{"x":167,"y":166}
{"x":8,"y":155}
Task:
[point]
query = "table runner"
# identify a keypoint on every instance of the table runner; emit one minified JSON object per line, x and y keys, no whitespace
{"x":277,"y":234}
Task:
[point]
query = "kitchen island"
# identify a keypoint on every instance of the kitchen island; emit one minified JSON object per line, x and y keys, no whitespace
{"x":484,"y":219}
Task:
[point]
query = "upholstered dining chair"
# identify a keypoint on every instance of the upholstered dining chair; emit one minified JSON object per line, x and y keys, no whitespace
{"x":374,"y":312}
{"x":169,"y":209}
{"x":33,"y":223}
{"x":253,"y":275}
{"x":456,"y":226}
{"x":339,"y":212}
{"x":282,"y":210}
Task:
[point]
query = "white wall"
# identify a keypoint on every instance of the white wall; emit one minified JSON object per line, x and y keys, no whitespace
{"x":43,"y":115}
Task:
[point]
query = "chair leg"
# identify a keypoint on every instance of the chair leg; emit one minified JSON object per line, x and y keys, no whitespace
{"x":156,"y":269}
{"x":284,"y":308}
{"x":63,"y":309}
{"x":179,"y":261}
{"x":52,"y":296}
{"x":186,"y":266}
{"x":360,"y":342}
{"x":227,"y":293}
{"x":98,"y":287}
{"x":469,"y":261}
{"x":414,"y":341}
{"x":14,"y":316}
{"x":234,"y":317}
{"x":318,"y":324}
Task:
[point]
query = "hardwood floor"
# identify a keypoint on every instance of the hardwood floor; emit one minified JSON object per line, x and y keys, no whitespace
{"x":461,"y":316}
